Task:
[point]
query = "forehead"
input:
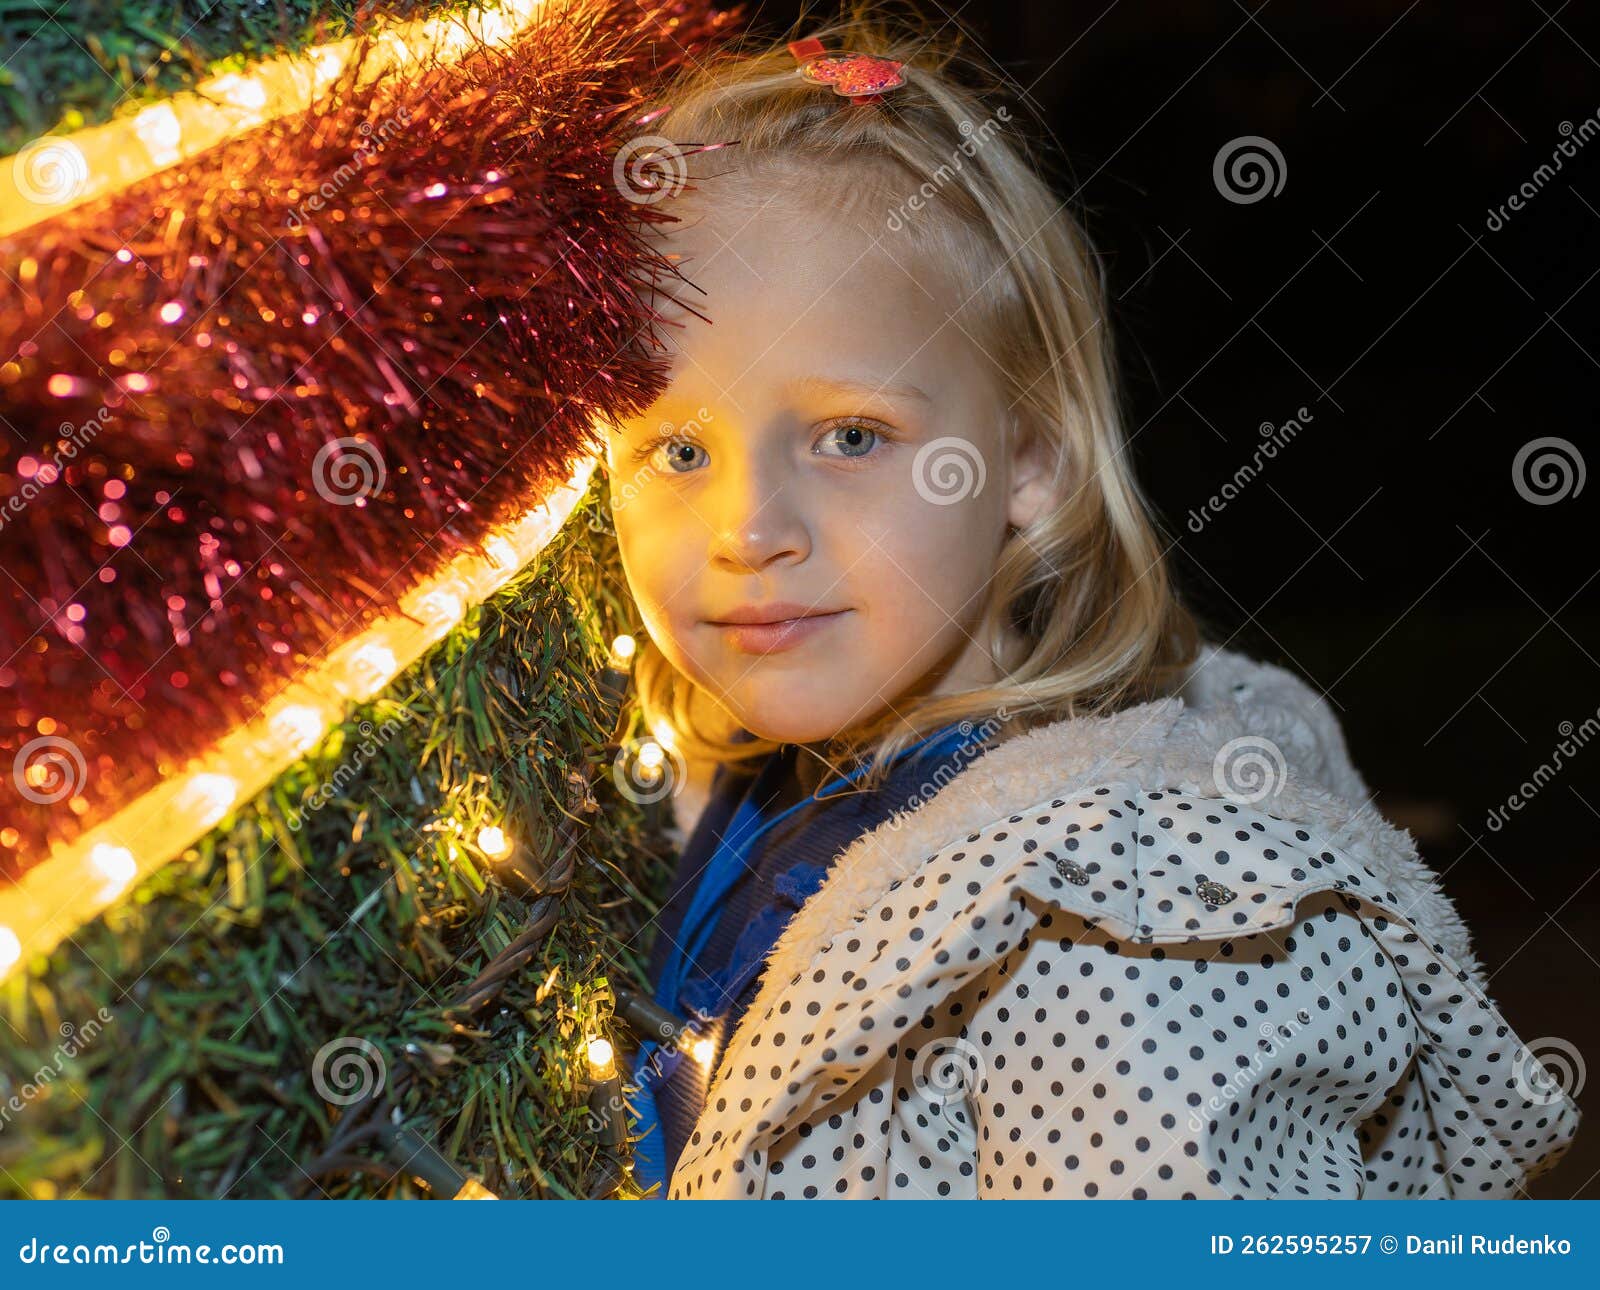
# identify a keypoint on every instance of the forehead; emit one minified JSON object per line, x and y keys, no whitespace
{"x":788,"y":283}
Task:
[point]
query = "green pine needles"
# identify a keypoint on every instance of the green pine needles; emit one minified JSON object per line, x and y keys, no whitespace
{"x":263,"y":1016}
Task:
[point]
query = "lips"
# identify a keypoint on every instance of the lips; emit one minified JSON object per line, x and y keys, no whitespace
{"x":777,"y":611}
{"x":768,"y":635}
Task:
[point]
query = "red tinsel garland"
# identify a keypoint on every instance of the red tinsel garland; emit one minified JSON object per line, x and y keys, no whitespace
{"x":250,"y":402}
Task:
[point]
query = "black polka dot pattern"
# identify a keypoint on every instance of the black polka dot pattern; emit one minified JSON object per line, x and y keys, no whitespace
{"x":1130,"y":993}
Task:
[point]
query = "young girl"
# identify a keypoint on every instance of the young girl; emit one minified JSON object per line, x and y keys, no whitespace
{"x":1009,"y":882}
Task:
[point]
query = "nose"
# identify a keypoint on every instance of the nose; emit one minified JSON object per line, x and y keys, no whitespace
{"x":757,"y":522}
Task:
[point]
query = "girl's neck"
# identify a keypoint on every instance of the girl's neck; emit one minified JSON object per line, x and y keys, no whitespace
{"x":814,"y":764}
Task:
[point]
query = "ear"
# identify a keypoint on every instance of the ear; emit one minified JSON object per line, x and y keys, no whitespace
{"x":1032,"y":471}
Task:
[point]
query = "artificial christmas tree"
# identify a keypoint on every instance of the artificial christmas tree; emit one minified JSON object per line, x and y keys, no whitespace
{"x":297,"y":425}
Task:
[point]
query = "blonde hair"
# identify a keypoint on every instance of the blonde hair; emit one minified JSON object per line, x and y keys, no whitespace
{"x":1081,"y":615}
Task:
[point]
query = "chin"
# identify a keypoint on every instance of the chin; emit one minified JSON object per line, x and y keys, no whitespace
{"x":786,"y":732}
{"x":795,"y":720}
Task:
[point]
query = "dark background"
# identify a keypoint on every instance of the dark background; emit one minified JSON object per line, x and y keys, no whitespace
{"x":1385,"y":554}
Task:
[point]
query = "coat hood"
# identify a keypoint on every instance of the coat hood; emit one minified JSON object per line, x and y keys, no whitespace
{"x":1247,"y":735}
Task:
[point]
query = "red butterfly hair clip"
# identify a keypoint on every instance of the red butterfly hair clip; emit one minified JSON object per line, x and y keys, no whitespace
{"x":861,"y":78}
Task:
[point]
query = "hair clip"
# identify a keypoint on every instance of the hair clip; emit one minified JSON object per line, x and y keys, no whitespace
{"x":861,"y":78}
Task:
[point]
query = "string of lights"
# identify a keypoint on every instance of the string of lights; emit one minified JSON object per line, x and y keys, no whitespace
{"x":373,"y":1119}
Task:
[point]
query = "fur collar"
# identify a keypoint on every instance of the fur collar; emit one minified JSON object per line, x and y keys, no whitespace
{"x":1232,"y":717}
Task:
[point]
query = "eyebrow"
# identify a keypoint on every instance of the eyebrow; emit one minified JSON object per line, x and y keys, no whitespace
{"x":864,"y":389}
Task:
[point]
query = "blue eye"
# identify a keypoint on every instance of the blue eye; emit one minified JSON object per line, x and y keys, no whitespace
{"x":679,"y":454}
{"x":854,"y":438}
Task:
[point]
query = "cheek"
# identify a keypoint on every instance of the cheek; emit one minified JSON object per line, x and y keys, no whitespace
{"x":644,"y":569}
{"x":660,"y":573}
{"x":927,"y":564}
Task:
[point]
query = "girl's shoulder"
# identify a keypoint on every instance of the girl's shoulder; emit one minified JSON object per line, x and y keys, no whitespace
{"x":1212,"y":831}
{"x":1190,"y":960}
{"x":1195,"y":959}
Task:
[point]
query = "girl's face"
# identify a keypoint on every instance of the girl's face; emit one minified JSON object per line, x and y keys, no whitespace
{"x":833,"y":456}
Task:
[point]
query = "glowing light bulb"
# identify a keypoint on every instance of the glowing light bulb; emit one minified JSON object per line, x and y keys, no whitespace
{"x":298,"y":726}
{"x":159,"y":130}
{"x":440,"y":610}
{"x":623,"y":649}
{"x":501,"y":554}
{"x":10,"y":949}
{"x":665,"y":736}
{"x":327,"y":64}
{"x":651,"y":755}
{"x":371,"y":666}
{"x":492,"y":841}
{"x":115,"y":866}
{"x":209,"y":796}
{"x":600,"y":1059}
{"x":702,"y":1051}
{"x":242,"y":91}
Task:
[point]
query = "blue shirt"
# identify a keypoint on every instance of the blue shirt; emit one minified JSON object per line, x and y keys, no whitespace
{"x":783,"y":866}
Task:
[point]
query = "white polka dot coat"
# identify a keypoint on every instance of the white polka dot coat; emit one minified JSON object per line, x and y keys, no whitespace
{"x":1173,"y":952}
